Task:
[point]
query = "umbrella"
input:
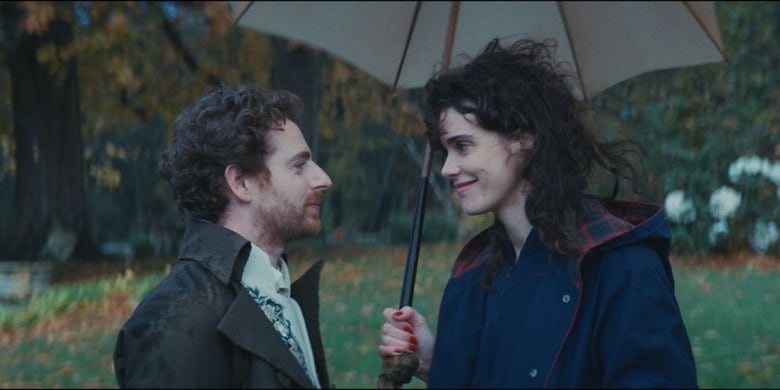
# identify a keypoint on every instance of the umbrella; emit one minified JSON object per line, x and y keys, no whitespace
{"x":605,"y":42}
{"x":402,"y":43}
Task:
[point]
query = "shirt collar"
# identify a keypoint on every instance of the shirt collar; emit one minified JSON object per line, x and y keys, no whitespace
{"x":259,"y":273}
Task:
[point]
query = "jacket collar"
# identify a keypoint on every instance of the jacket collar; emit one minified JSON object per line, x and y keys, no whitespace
{"x":613,"y":223}
{"x":224,"y":253}
{"x":603,"y":225}
{"x":219,"y":249}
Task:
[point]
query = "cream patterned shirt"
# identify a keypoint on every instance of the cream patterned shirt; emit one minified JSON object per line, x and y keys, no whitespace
{"x":270,"y":287}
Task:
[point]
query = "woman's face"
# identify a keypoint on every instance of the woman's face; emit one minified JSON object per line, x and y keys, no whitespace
{"x":484,"y":167}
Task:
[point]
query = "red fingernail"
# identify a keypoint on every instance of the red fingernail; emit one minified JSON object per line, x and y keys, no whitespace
{"x":413,"y":340}
{"x":399,"y":350}
{"x":408,"y":329}
{"x":398,"y":313}
{"x":412,"y":347}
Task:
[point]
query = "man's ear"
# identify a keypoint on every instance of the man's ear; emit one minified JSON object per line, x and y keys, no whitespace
{"x":237,"y":183}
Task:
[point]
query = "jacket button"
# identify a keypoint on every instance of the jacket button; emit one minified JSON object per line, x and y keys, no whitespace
{"x":566,"y":298}
{"x":532,"y":373}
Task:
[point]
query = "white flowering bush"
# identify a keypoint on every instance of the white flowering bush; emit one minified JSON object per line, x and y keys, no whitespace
{"x":724,"y":202}
{"x":765,"y":234}
{"x":679,"y":208}
{"x":718,"y":231}
{"x":755,"y":166}
{"x":743,"y":214}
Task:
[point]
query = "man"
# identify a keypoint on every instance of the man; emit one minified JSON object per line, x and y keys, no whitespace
{"x":226,"y":315}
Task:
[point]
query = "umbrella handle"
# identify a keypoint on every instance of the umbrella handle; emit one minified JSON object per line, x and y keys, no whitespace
{"x":397,"y":370}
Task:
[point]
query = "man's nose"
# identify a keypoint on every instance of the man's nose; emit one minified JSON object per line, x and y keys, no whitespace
{"x":322,"y":181}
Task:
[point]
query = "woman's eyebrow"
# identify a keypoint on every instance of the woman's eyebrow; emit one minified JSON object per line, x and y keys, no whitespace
{"x":457,"y":138}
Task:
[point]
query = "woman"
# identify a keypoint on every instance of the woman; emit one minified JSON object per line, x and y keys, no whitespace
{"x":565,"y":289}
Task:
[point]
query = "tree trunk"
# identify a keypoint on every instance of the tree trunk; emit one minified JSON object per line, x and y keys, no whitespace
{"x":49,"y":195}
{"x":300,"y":71}
{"x":380,"y":211}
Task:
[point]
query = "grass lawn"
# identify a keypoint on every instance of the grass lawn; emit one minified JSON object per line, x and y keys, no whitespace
{"x":65,"y":338}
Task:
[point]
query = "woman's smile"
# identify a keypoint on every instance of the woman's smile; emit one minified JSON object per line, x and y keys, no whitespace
{"x":463,"y":186}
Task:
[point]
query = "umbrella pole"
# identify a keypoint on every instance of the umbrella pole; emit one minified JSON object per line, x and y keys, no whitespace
{"x":410,"y":272}
{"x":399,"y":370}
{"x":412,"y":254}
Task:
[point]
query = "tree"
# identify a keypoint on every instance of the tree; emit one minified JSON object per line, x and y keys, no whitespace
{"x":127,"y":69}
{"x":48,"y":46}
{"x":49,"y":193}
{"x":298,"y":69}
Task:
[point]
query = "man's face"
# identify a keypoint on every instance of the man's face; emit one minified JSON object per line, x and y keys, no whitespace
{"x":288,"y":205}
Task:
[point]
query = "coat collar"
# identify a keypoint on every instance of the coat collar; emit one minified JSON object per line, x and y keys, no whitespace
{"x":613,"y":223}
{"x":602,"y":226}
{"x":219,"y":249}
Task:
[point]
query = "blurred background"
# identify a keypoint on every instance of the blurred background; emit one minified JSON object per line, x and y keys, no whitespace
{"x":89,"y":90}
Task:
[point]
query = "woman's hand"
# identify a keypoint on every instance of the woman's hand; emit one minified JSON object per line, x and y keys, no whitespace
{"x":407,"y":330}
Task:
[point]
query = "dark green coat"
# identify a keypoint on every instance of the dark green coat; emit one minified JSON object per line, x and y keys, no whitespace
{"x":200,"y":328}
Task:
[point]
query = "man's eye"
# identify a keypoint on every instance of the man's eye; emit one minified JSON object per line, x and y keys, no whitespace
{"x":462,"y":146}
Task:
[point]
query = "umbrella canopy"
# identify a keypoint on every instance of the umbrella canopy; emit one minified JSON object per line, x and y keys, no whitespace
{"x":603,"y":42}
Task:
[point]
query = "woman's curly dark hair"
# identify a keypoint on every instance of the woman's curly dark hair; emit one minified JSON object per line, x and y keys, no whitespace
{"x":518,"y":89}
{"x":227,"y":126}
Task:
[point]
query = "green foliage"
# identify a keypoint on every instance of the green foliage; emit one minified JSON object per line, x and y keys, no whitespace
{"x":364,"y":148}
{"x":69,"y":363}
{"x":135,"y":77}
{"x":696,"y":121}
{"x":139,"y":64}
{"x":437,"y":227}
{"x":60,"y":299}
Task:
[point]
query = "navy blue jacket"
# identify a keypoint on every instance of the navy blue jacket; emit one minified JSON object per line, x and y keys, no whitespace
{"x":607,"y":317}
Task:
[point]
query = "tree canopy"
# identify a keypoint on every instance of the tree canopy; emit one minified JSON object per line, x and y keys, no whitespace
{"x":90,"y":89}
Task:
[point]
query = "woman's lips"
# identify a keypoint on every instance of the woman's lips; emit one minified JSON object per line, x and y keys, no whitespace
{"x":462,"y":186}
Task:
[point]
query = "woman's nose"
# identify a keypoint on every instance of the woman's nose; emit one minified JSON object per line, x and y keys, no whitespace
{"x":450,"y":168}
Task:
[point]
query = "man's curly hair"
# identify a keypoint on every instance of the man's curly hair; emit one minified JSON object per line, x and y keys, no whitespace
{"x":227,"y":126}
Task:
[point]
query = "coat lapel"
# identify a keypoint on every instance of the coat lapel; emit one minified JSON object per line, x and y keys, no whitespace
{"x":305,"y":291}
{"x":246,"y":326}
